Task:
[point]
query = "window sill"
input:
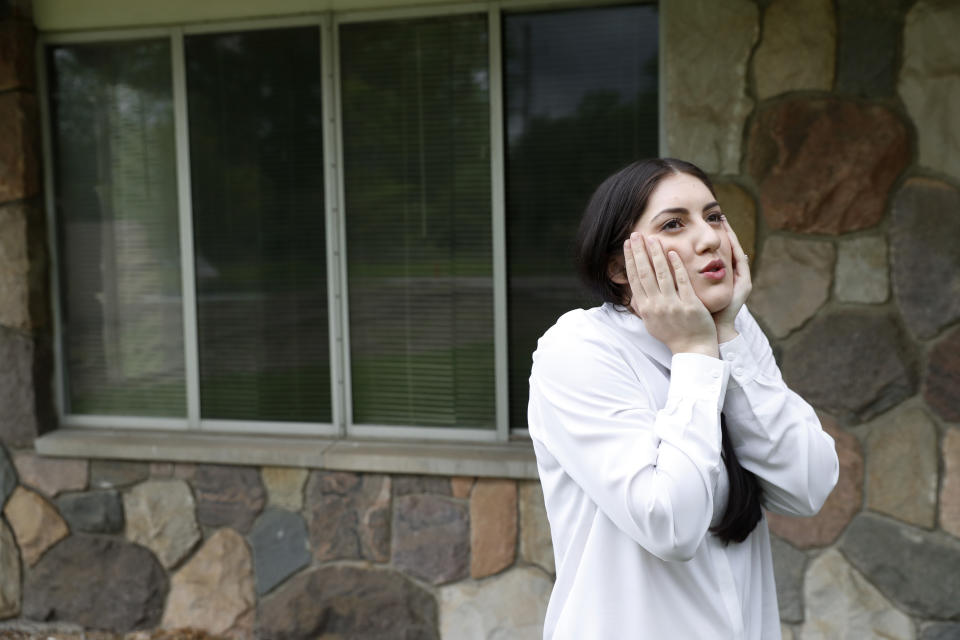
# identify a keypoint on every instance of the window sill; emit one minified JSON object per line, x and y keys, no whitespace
{"x":498,"y":460}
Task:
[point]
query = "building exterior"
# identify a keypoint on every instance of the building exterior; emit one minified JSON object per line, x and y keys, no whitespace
{"x":270,"y":275}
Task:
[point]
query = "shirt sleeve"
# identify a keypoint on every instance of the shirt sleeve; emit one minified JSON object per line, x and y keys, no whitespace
{"x":652,"y":473}
{"x":774,"y":431}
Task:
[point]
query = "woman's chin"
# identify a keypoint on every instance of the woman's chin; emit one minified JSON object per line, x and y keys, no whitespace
{"x":715,"y":304}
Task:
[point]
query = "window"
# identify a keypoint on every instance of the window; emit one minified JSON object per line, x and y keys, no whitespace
{"x":356,"y":224}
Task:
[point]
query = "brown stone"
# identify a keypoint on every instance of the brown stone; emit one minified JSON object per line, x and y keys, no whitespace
{"x":23,"y":294}
{"x":825,"y":165}
{"x":493,"y":526}
{"x":460,"y":486}
{"x":902,"y":466}
{"x":19,"y":146}
{"x":116,"y":474}
{"x":36,"y":524}
{"x":348,"y":516}
{"x":214,"y":588}
{"x":9,"y":573}
{"x":228,"y":496}
{"x":50,"y":476}
{"x":161,"y":469}
{"x":536,"y":546}
{"x":950,"y":490}
{"x":792,"y":282}
{"x":431,"y":537}
{"x":342,"y":602}
{"x":789,"y":27}
{"x":17,"y":44}
{"x":924,"y":228}
{"x":284,"y":486}
{"x":843,"y":504}
{"x":741,"y":212}
{"x":942,"y":389}
{"x":852,"y":363}
{"x":409,"y":484}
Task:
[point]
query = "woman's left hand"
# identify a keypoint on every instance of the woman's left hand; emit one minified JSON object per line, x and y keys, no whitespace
{"x":742,"y":286}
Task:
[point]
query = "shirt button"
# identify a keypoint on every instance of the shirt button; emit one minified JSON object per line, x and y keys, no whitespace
{"x":715,"y":374}
{"x":730,"y":356}
{"x":739,"y":371}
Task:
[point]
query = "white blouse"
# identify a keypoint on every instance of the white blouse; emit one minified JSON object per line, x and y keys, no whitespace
{"x":628,"y":444}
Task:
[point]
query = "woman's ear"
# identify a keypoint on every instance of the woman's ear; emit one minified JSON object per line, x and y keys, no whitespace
{"x":616,"y":270}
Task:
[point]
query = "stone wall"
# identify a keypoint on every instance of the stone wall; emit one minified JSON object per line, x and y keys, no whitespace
{"x":833,"y":132}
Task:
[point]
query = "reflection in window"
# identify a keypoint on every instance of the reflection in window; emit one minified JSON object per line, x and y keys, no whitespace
{"x":256,"y":159}
{"x":417,"y":188}
{"x":115,"y":180}
{"x":580,"y":91}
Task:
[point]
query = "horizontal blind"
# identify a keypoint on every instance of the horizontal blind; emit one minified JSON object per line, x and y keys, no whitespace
{"x":580,"y":93}
{"x":415,"y":103}
{"x":116,"y":210}
{"x":256,"y":162}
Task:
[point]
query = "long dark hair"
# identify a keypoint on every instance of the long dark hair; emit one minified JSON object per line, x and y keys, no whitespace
{"x":611,"y":214}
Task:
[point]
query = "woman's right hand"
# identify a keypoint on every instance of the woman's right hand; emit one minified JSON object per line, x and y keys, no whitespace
{"x":665,"y":301}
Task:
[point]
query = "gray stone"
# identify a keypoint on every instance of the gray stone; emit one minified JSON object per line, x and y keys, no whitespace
{"x":841,"y":604}
{"x":96,"y":582}
{"x":536,"y":545}
{"x":348,"y":516}
{"x":862,"y":270}
{"x":214,"y":589}
{"x":917,"y":569}
{"x":408,"y":485}
{"x":50,"y":476}
{"x":853,"y":364}
{"x":707,"y":48}
{"x":902,"y":464}
{"x":228,"y":496}
{"x":8,"y":476}
{"x":789,"y":27}
{"x":509,"y":606}
{"x":160,"y":514}
{"x":869,"y":37}
{"x":92,"y":512}
{"x":280,"y":547}
{"x":113,"y":474}
{"x":941,"y":631}
{"x":9,"y":573}
{"x":793,"y":281}
{"x":789,"y":565}
{"x":926,"y":263}
{"x":348,"y":602}
{"x":431,"y":538}
{"x":18,"y":415}
{"x":930,"y":82}
{"x":284,"y":486}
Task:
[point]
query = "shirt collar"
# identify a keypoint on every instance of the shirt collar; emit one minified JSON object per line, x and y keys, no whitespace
{"x":630,"y":324}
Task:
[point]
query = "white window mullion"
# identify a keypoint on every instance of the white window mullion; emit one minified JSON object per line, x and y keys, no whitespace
{"x":337,"y":240}
{"x":184,"y":199}
{"x":499,"y":235}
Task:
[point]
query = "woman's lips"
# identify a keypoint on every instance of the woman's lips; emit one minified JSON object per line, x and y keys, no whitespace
{"x":714,"y":270}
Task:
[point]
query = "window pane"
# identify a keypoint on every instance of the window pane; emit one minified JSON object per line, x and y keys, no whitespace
{"x":580,"y":90}
{"x":417,"y":181}
{"x":116,"y":207}
{"x":256,"y":162}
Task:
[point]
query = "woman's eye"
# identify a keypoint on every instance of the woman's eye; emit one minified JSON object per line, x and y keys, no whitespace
{"x":673,"y":223}
{"x":716,"y":216}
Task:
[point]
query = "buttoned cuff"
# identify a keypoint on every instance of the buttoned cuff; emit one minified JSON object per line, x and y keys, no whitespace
{"x":743,"y":367}
{"x":693,"y":375}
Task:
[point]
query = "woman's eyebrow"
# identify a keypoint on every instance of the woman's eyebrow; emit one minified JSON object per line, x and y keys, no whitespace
{"x":686,"y":212}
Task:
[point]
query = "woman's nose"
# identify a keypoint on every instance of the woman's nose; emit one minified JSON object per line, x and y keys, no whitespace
{"x":708,"y":237}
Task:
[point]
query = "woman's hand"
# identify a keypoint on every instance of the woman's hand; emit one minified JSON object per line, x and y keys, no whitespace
{"x":666,"y":302}
{"x":742,"y":286}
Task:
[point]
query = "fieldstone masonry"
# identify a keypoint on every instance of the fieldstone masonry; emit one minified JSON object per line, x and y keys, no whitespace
{"x":839,"y":167}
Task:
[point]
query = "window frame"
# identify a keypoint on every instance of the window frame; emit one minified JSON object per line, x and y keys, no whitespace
{"x":342,"y":426}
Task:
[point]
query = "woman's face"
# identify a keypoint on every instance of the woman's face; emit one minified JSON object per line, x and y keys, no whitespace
{"x":685,"y":217}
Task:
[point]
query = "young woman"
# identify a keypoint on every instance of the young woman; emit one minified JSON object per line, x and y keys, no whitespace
{"x":661,"y":425}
